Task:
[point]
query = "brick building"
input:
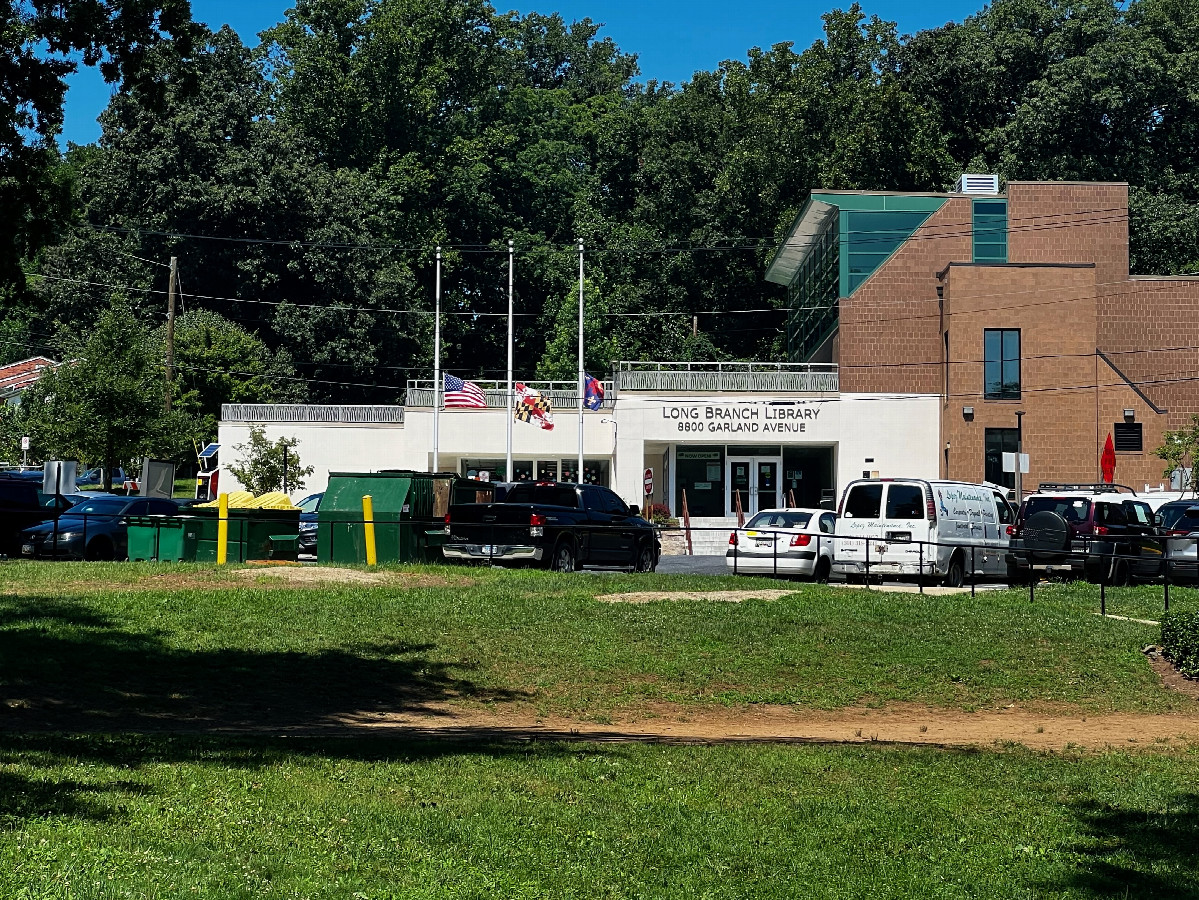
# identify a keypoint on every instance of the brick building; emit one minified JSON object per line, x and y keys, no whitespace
{"x":998,"y":302}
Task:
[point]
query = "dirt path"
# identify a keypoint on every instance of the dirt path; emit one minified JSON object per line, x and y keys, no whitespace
{"x":780,"y":724}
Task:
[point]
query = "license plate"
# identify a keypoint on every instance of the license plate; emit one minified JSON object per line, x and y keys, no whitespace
{"x":764,"y":542}
{"x":488,"y":549}
{"x":27,"y":549}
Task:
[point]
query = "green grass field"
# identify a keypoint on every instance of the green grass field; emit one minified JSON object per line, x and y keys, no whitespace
{"x":162,"y":817}
{"x":134,"y":636}
{"x":91,"y":653}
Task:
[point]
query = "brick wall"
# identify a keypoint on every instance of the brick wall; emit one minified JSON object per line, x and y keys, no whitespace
{"x":890,"y":331}
{"x":1066,"y":222}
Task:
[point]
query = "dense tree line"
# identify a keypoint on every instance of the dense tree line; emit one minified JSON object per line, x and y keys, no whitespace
{"x":303,"y":183}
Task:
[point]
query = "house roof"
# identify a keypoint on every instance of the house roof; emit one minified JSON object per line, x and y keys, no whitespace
{"x":15,"y":377}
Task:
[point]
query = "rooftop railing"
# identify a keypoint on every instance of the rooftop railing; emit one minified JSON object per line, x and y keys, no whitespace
{"x":563,"y":395}
{"x":298,"y":412}
{"x":712,"y":377}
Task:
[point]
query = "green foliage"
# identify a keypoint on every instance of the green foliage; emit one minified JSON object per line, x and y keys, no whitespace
{"x":217,"y":362}
{"x":1180,"y":640}
{"x":357,"y":130}
{"x":1180,"y":450}
{"x":264,"y":466}
{"x":105,"y":404}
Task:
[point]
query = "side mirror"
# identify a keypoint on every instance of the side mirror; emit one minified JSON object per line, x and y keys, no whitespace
{"x":634,"y":510}
{"x":1157,"y":520}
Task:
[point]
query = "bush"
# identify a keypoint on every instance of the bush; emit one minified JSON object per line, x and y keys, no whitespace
{"x":659,"y":514}
{"x":1180,"y":641}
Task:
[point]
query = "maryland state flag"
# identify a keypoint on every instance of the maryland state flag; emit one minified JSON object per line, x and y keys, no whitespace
{"x":533,"y":408}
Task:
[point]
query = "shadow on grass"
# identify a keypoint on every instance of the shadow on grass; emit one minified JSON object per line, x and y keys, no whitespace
{"x":1137,"y":852}
{"x":65,"y":668}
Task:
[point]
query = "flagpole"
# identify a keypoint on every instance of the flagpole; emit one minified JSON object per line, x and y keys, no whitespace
{"x":437,"y":385}
{"x":511,"y":395}
{"x":582,"y":374}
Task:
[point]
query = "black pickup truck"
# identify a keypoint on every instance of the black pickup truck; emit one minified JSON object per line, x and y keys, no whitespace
{"x":553,"y":524}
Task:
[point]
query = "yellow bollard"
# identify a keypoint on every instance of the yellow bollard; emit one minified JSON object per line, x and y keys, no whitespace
{"x":222,"y":529}
{"x":368,"y":517}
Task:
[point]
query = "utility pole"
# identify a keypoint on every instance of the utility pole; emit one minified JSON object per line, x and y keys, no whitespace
{"x":171,"y":330}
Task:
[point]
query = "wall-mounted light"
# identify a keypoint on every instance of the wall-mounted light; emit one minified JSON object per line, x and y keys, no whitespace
{"x":1130,"y":415}
{"x":968,"y":413}
{"x":947,"y":446}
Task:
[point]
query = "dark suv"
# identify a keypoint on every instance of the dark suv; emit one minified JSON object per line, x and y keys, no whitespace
{"x":1092,"y":530}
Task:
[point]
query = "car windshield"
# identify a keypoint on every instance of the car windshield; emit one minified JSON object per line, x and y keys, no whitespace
{"x":779,"y":520}
{"x":1072,"y":509}
{"x":1179,"y":518}
{"x":309,"y":504}
{"x":102,"y":507}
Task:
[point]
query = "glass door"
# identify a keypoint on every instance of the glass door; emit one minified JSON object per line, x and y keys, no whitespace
{"x":754,"y":482}
{"x":740,"y":480}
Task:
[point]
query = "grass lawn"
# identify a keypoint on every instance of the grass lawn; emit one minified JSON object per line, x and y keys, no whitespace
{"x":93,"y":817}
{"x":124,"y":640}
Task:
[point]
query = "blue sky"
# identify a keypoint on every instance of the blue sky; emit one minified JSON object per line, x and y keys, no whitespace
{"x":672,"y":39}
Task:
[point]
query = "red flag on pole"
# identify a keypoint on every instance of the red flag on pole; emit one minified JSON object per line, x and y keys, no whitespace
{"x":1107,"y":462}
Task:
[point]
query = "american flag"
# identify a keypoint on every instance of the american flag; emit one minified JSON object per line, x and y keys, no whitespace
{"x":463,"y":394}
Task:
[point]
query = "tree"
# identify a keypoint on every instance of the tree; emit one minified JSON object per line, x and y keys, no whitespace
{"x":218,"y":362}
{"x":105,"y":403}
{"x":1180,"y":450}
{"x":264,"y":466}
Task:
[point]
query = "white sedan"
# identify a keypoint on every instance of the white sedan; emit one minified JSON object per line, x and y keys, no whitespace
{"x":797,"y":543}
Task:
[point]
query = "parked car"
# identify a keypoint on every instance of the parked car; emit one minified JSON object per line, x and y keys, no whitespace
{"x":558,"y":525}
{"x":308,"y":522}
{"x":904,"y":528}
{"x":1179,"y":524}
{"x":1098,"y":531}
{"x":793,"y":542}
{"x":95,"y":528}
{"x":21,"y":507}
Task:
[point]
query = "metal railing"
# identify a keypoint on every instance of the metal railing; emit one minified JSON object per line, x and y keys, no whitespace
{"x":563,"y":395}
{"x":711,"y":377}
{"x":297,"y":412}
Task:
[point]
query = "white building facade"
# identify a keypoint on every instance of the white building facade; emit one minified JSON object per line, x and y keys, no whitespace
{"x":712,"y":435}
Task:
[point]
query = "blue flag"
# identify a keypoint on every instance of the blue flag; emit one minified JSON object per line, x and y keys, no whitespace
{"x":593,"y":393}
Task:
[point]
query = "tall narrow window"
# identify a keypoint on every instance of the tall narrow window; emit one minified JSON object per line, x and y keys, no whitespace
{"x":998,"y":441}
{"x":990,"y":231}
{"x":1001,"y":363}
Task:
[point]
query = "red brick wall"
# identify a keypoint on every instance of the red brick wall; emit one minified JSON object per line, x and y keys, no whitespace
{"x":890,"y":331}
{"x":1066,"y":222}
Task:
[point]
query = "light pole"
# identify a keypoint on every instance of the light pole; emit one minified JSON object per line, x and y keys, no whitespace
{"x":1019,"y":454}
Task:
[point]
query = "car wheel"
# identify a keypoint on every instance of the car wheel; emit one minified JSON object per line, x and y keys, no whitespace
{"x":645,"y":561}
{"x":823,"y":567}
{"x":99,"y":549}
{"x":955,"y":576}
{"x":563,"y":559}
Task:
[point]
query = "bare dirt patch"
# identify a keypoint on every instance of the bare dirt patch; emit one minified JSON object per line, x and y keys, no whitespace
{"x":782,"y":724}
{"x":720,"y":596}
{"x":1170,"y":676}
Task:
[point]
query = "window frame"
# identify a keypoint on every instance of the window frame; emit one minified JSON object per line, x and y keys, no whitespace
{"x":1003,"y":362}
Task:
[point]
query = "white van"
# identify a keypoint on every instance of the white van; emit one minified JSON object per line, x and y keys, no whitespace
{"x":882,"y":521}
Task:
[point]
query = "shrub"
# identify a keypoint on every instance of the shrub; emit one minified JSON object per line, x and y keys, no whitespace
{"x":659,"y":514}
{"x":1180,"y":641}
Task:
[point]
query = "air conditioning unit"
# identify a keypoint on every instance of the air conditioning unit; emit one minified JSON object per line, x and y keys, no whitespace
{"x":977,"y":184}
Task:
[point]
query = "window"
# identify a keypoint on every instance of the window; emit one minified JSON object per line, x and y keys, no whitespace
{"x":1128,"y":437}
{"x":1110,"y":514}
{"x":1006,"y":516}
{"x":905,"y":501}
{"x":996,"y":442}
{"x":828,"y":523}
{"x":990,"y":231}
{"x":1001,"y":363}
{"x":780,"y":520}
{"x":864,"y":501}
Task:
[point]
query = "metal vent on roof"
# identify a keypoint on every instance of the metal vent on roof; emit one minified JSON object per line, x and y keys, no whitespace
{"x":977,"y":184}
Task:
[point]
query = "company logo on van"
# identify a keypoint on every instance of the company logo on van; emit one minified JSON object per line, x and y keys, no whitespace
{"x":941,"y":503}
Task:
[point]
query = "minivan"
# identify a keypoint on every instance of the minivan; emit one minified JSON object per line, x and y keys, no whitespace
{"x":882,"y":522}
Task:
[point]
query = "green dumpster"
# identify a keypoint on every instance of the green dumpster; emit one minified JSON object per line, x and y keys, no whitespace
{"x":252,"y":532}
{"x":162,"y":538}
{"x":409,"y":515}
